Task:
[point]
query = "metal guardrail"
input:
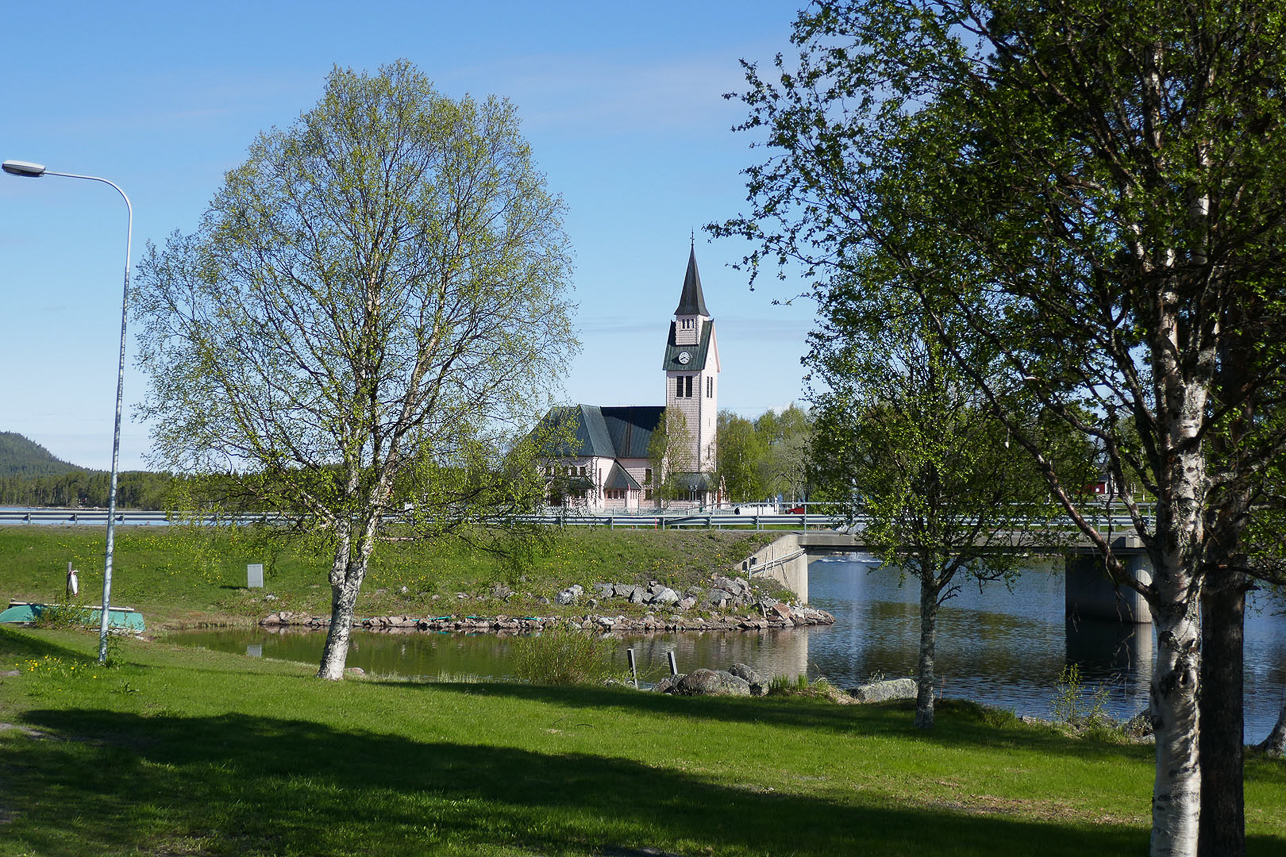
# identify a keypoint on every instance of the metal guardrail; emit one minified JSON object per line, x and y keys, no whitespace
{"x":710,"y":520}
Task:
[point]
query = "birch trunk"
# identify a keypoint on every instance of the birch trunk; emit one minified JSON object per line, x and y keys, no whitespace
{"x":343,"y":606}
{"x":928,"y":655}
{"x":1174,"y":597}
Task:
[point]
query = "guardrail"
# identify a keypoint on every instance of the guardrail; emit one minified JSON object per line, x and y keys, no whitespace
{"x":710,"y":520}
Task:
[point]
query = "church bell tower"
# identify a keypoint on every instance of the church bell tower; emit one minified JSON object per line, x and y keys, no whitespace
{"x":692,"y":377}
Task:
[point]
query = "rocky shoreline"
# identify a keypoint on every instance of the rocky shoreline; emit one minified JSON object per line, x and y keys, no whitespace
{"x":728,"y":604}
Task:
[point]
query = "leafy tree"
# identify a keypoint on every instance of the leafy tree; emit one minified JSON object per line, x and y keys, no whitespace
{"x":377,"y":294}
{"x":669,"y":451}
{"x":904,"y":441}
{"x":1096,"y":189}
{"x":785,"y":437}
{"x":741,"y":453}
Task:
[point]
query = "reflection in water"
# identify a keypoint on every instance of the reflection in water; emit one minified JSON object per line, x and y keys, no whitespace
{"x":1004,"y":647}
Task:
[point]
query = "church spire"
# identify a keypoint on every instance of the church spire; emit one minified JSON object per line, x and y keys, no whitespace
{"x":692,"y":301}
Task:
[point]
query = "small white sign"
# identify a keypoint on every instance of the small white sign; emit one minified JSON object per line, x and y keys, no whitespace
{"x":254,"y":575}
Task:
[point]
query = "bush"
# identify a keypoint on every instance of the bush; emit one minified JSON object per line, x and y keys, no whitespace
{"x":563,"y":657}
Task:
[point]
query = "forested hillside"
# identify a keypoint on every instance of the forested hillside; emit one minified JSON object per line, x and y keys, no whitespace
{"x":31,"y":476}
{"x":22,"y":457}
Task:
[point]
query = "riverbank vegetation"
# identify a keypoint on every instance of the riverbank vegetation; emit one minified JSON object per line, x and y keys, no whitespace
{"x":187,"y":576}
{"x":190,"y":751}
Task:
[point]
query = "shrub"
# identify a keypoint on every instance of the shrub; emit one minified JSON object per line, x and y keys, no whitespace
{"x":563,"y":657}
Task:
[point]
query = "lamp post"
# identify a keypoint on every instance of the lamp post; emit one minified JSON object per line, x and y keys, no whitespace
{"x":35,"y":171}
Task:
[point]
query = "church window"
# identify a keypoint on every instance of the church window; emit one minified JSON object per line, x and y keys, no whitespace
{"x":647,"y":476}
{"x":688,"y":387}
{"x":710,"y":387}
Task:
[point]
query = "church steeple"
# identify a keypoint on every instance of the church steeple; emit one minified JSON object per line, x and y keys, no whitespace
{"x":692,"y":301}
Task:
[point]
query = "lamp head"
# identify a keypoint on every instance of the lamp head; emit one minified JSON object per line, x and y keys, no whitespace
{"x":24,"y":168}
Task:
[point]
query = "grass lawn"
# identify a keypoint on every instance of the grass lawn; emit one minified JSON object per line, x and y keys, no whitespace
{"x":188,"y":752}
{"x":181,"y":577}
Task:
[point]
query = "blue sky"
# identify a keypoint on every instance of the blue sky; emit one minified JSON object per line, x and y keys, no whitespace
{"x":621,"y":103}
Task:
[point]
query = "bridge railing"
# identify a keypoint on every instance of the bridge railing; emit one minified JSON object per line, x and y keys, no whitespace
{"x":1115,"y":520}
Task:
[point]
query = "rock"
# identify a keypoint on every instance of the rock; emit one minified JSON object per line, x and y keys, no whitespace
{"x":604,"y":590}
{"x":355,"y":671}
{"x":666,"y":595}
{"x":607,"y":622}
{"x":637,"y":595}
{"x":705,"y":682}
{"x":501,"y":591}
{"x":622,"y":590}
{"x":882,"y":691}
{"x":686,"y":603}
{"x":758,"y":687}
{"x":405,"y":590}
{"x":569,"y":595}
{"x":667,"y":684}
{"x":717,"y":596}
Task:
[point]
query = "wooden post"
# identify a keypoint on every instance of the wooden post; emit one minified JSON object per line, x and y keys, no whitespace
{"x":674,"y":667}
{"x":629,"y":653}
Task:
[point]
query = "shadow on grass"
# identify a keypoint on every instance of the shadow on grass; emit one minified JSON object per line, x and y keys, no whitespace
{"x":253,"y":785}
{"x":958,"y":722}
{"x":18,"y":644}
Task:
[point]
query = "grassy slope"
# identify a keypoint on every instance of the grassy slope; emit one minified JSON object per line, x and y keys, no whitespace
{"x":178,"y":576}
{"x":192,"y":752}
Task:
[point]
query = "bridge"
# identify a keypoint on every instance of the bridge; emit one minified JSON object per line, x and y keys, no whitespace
{"x":1088,"y":591}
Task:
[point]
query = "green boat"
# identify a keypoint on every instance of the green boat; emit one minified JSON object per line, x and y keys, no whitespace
{"x":117,"y":617}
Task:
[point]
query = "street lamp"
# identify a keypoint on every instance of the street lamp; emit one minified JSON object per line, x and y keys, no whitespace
{"x":35,"y":171}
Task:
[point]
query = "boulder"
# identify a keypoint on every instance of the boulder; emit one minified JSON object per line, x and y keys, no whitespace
{"x":604,"y":590}
{"x":705,"y":682}
{"x":666,"y":595}
{"x":622,"y":590}
{"x":882,"y":691}
{"x":686,"y":603}
{"x":570,"y":594}
{"x":667,"y":684}
{"x":758,"y":687}
{"x":637,"y":595}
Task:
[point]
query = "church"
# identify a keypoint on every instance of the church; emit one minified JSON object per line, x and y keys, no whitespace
{"x":638,"y":457}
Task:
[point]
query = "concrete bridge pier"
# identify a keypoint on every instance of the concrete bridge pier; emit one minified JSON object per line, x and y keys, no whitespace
{"x":785,"y":561}
{"x":1090,"y":593}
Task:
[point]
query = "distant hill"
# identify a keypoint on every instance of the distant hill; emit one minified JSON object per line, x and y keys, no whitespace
{"x":22,"y":457}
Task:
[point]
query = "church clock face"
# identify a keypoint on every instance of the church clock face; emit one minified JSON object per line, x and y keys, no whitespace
{"x":684,"y":357}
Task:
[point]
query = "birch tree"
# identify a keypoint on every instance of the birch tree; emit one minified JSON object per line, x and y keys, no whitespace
{"x":377,"y":295}
{"x":904,"y":441}
{"x":1103,"y":184}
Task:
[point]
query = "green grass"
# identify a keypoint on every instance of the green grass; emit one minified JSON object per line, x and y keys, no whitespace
{"x":180,"y":577}
{"x":192,"y":752}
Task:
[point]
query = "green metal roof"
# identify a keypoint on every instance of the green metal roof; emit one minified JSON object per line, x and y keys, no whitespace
{"x":613,"y":432}
{"x":618,"y":477}
{"x":696,"y":353}
{"x":692,"y":301}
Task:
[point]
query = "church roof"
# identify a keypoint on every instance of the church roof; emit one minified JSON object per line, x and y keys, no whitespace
{"x":602,"y":432}
{"x":619,"y":478}
{"x":692,"y":302}
{"x":697,"y":354}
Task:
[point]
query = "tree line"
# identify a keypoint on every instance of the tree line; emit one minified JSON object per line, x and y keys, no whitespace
{"x":135,"y":489}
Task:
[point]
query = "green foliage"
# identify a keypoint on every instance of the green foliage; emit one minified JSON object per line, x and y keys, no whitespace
{"x":765,"y":457}
{"x":1076,"y":705}
{"x":376,"y":297}
{"x":564,"y":656}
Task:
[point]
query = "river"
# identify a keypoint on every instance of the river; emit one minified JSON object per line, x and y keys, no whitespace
{"x":1002,"y":647}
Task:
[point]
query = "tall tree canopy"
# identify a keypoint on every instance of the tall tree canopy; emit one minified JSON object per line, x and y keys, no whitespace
{"x":378,"y":294}
{"x":1096,"y":190}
